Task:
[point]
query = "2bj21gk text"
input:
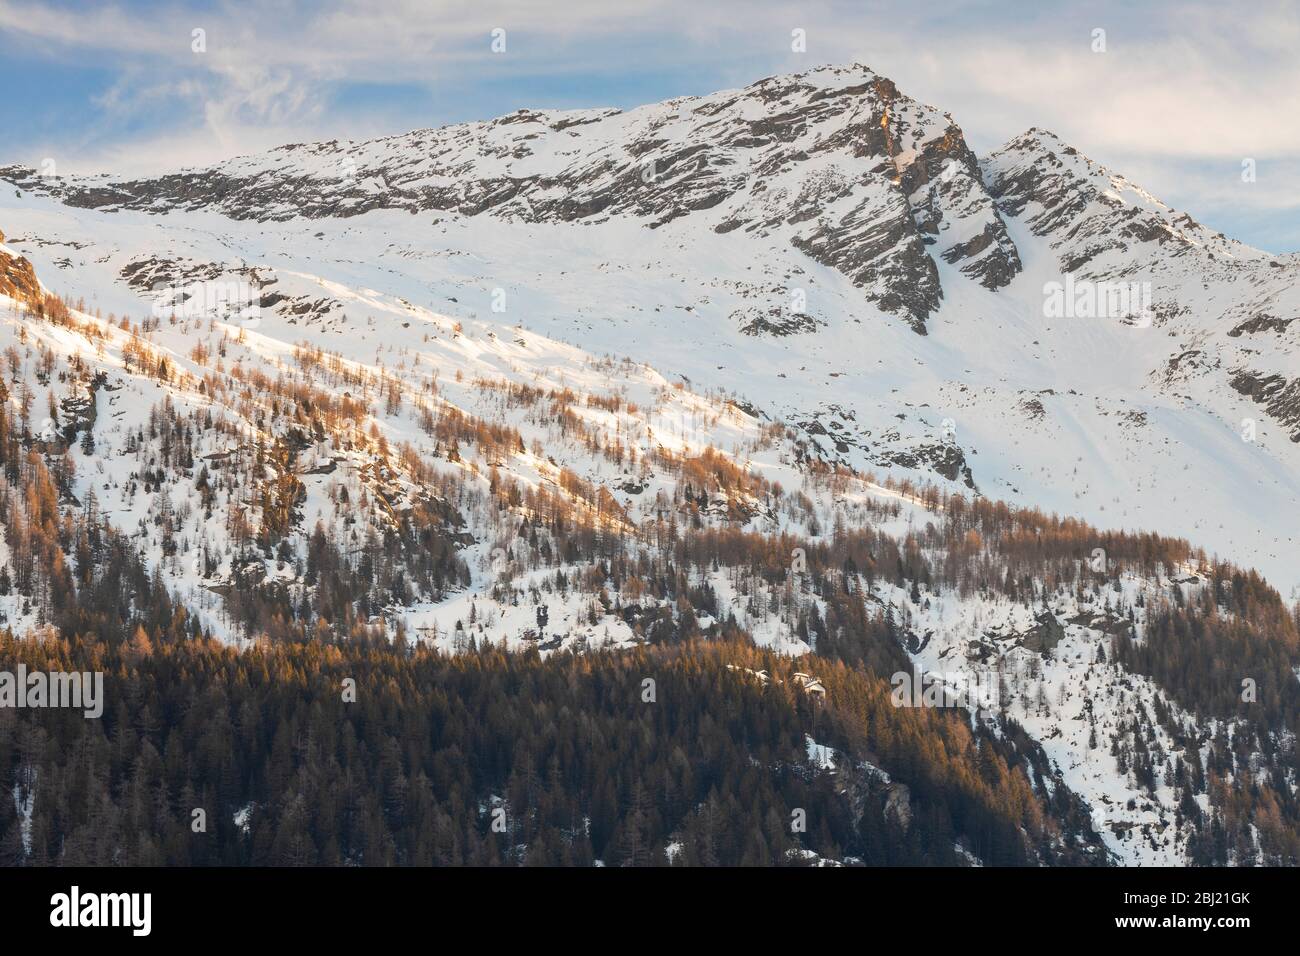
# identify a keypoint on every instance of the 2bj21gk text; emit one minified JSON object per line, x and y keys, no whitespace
{"x":1194,"y":899}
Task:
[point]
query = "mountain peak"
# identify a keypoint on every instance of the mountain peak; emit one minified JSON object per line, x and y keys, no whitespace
{"x":834,"y":162}
{"x":1097,"y":218}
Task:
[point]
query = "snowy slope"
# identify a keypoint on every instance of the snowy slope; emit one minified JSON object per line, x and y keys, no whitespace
{"x":784,"y":243}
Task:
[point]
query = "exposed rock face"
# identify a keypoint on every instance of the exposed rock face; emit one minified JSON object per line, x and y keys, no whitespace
{"x":1260,"y":323}
{"x":1279,"y":397}
{"x":17,"y":277}
{"x":835,"y":162}
{"x":898,"y":804}
{"x":1100,"y":224}
{"x":773,"y":321}
{"x":1044,"y":635}
{"x":945,"y":459}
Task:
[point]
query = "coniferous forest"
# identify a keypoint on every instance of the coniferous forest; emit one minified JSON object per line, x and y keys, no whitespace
{"x":494,"y":759}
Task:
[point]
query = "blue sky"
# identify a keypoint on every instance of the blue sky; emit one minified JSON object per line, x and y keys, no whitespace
{"x":1181,"y":95}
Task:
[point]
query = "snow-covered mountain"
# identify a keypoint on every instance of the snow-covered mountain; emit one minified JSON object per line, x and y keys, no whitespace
{"x":836,"y":163}
{"x":800,"y":311}
{"x":785,"y":243}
